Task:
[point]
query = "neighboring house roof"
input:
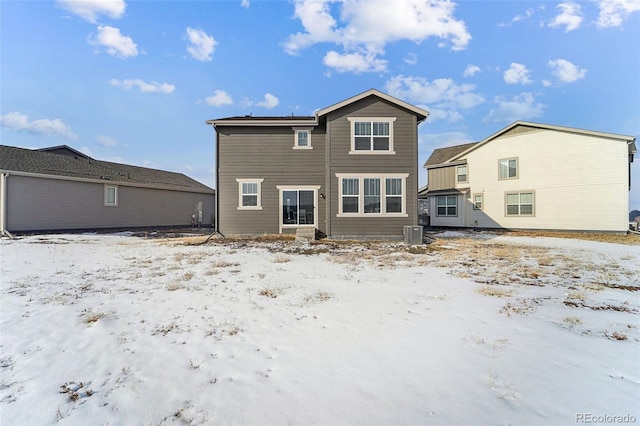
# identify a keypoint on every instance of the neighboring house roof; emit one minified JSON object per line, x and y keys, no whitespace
{"x":64,"y":150}
{"x":250,"y":120}
{"x":84,"y":168}
{"x":441,"y":155}
{"x":453,"y":153}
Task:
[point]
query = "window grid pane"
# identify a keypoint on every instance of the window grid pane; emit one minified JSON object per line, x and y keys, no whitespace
{"x":303,"y":138}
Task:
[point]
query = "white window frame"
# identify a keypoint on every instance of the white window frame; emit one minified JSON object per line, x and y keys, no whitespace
{"x":282,"y":188}
{"x":520,"y":203}
{"x":115,"y":195}
{"x":446,"y":205}
{"x":383,"y":194}
{"x":297,"y":131}
{"x":465,"y":174}
{"x":371,"y":151}
{"x":475,"y":201}
{"x":259,"y":193}
{"x":508,"y":160}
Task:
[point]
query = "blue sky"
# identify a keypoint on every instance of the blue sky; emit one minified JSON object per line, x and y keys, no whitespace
{"x":134,"y":81}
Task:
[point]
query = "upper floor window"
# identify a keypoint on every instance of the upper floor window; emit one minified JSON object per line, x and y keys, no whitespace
{"x":371,"y":135}
{"x":249,"y":194}
{"x":508,"y":168}
{"x":302,"y":139}
{"x":461,"y":173}
{"x":110,"y":195}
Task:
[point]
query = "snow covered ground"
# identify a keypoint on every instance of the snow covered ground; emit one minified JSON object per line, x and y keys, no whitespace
{"x":117,"y":329}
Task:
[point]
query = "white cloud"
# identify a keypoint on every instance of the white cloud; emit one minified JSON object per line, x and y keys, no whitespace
{"x":43,"y":127}
{"x":219,"y":98}
{"x":517,"y":74}
{"x":245,"y":4}
{"x":471,"y":70}
{"x":520,"y":107}
{"x":144,"y":87}
{"x":614,"y":12}
{"x":547,"y":83}
{"x":269,"y":102}
{"x":89,"y":10}
{"x":443,"y":98}
{"x":115,"y":43}
{"x":570,"y":18}
{"x":201,"y":45}
{"x":366,"y":27}
{"x":411,"y":58}
{"x":354,"y":62}
{"x":518,"y":18}
{"x":107,"y":141}
{"x":565,"y":71}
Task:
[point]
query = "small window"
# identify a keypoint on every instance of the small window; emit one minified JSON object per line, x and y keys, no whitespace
{"x":461,"y":173}
{"x":519,"y":204}
{"x":508,"y":168}
{"x":302,"y":139}
{"x":477,"y":202}
{"x":110,"y":195}
{"x":249,"y":197}
{"x":371,"y":135}
{"x":447,"y":205}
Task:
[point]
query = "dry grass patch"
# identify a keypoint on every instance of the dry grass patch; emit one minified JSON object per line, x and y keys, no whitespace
{"x":222,"y":263}
{"x":494,"y":291}
{"x":281,"y":259}
{"x":616,"y":238}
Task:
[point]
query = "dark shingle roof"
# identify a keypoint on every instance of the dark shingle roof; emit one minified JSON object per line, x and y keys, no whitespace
{"x":440,"y":155}
{"x":266,"y":118}
{"x":14,"y":159}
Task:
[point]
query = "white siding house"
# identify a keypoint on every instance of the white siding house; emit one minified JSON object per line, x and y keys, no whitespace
{"x":534,"y":176}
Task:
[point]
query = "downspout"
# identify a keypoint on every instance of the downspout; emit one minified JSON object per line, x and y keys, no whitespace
{"x":3,"y":205}
{"x":216,"y":228}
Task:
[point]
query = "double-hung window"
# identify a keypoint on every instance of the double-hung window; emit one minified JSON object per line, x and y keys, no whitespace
{"x":110,"y":195}
{"x":508,"y":168}
{"x":249,"y":194}
{"x":447,"y":205}
{"x":477,"y":201}
{"x":370,"y":195}
{"x":519,"y":204}
{"x":302,"y":139}
{"x":461,"y":173}
{"x":371,"y":135}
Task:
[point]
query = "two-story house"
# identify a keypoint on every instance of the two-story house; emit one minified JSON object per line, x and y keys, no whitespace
{"x":348,"y":171}
{"x":533,"y":176}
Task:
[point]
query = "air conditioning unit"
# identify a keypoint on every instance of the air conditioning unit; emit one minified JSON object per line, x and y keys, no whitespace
{"x":412,"y":235}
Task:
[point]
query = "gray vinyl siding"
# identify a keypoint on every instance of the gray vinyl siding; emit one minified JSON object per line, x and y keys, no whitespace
{"x":265,"y":153}
{"x":442,"y":178}
{"x":41,"y":204}
{"x":404,"y":160}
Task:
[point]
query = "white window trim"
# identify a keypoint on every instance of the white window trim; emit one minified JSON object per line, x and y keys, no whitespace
{"x":106,"y":189}
{"x":481,"y":201}
{"x":519,"y":193}
{"x":295,"y":142}
{"x":282,"y":188}
{"x":517,"y":168}
{"x":466,"y":174}
{"x":383,"y":183}
{"x":353,"y":120}
{"x":249,"y":180}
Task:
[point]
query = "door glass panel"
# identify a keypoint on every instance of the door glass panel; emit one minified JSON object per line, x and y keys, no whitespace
{"x":305,"y":214}
{"x":289,"y":207}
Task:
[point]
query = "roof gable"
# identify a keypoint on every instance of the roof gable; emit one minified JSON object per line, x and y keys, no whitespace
{"x":446,"y":155}
{"x":39,"y":162}
{"x":249,"y":120}
{"x":419,"y":112}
